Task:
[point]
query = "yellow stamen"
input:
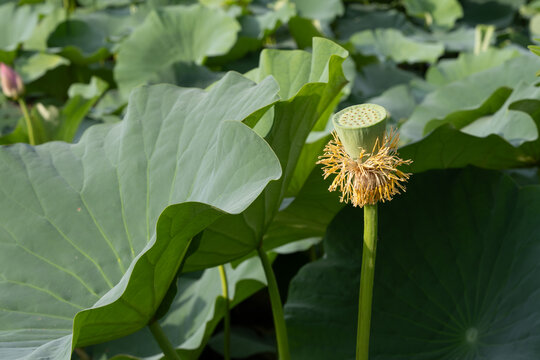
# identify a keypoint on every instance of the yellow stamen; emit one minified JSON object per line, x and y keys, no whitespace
{"x":373,"y":177}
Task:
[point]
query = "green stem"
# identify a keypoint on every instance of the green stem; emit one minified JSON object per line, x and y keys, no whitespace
{"x":487,"y":37}
{"x":366,"y":281}
{"x":227,"y":320}
{"x":66,"y":8}
{"x":312,"y":253}
{"x":477,"y":39}
{"x":29,"y":127}
{"x":277,"y":307}
{"x":162,"y":340}
{"x":83,"y":355}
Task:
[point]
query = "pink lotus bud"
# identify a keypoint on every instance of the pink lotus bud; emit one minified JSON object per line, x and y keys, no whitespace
{"x":12,"y":85}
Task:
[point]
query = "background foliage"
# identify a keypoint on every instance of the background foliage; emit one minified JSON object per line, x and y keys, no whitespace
{"x":139,"y":190}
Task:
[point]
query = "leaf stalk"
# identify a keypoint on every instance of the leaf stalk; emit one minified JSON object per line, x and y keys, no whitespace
{"x":277,"y":307}
{"x":168,"y":349}
{"x":227,"y":319}
{"x":28,"y":121}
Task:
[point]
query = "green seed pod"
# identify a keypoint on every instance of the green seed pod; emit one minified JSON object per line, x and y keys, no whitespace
{"x":359,"y":126}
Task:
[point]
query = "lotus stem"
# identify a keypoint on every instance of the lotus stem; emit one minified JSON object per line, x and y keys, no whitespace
{"x":277,"y":307}
{"x":366,"y":282}
{"x":168,"y":349}
{"x":364,"y":158}
{"x":227,"y":319}
{"x":28,"y":121}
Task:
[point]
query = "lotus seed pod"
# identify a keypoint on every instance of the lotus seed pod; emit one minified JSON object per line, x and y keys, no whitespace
{"x":12,"y":85}
{"x":360,"y":127}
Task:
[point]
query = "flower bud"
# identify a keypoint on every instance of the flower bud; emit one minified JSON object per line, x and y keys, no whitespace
{"x":12,"y":85}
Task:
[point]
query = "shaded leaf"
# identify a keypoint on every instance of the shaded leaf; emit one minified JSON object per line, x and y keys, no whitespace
{"x":490,"y":12}
{"x":361,"y":17}
{"x":461,"y":283}
{"x":308,"y":214}
{"x":35,"y":66}
{"x":244,"y":343}
{"x":303,"y":31}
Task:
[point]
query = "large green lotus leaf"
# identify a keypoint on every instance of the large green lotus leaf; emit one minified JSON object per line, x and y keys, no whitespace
{"x":456,"y":275}
{"x":292,"y":122}
{"x":113,"y":215}
{"x":392,"y":44}
{"x":440,"y":13}
{"x":168,"y":36}
{"x":466,"y":64}
{"x":196,"y":311}
{"x":16,"y":25}
{"x":477,"y":95}
{"x":325,"y":10}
